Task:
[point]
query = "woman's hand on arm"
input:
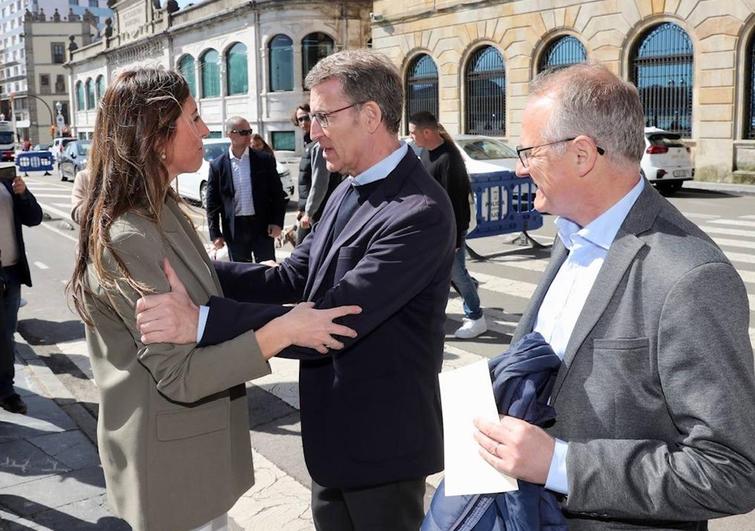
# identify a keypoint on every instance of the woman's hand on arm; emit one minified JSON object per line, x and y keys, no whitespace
{"x":305,"y":326}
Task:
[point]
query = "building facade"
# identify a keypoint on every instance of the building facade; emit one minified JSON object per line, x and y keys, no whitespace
{"x":471,"y":62}
{"x":15,"y":64}
{"x":240,"y":58}
{"x":47,"y":91}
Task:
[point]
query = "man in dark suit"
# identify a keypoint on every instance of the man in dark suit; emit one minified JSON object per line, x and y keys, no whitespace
{"x":371,"y":419}
{"x":17,"y":207}
{"x":245,"y":200}
{"x":654,"y":400}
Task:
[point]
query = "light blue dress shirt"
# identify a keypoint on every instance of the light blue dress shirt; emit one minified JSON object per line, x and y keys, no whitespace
{"x":562,"y":305}
{"x":241,"y":170}
{"x":370,"y":175}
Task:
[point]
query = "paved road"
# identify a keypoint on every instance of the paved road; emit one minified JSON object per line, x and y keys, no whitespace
{"x":281,"y":496}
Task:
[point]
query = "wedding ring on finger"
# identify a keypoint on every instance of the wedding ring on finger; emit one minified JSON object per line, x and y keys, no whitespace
{"x":495,"y":450}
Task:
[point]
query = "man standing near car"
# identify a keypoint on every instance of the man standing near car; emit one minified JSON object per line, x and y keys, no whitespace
{"x":17,"y":207}
{"x":245,"y":200}
{"x":443,"y":162}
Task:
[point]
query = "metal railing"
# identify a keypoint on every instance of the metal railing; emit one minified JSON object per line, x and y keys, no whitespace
{"x":485,"y":89}
{"x":750,"y":103}
{"x":561,"y":52}
{"x":421,"y":87}
{"x":662,"y":69}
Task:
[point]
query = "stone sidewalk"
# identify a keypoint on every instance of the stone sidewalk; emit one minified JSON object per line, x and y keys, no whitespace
{"x":51,"y":479}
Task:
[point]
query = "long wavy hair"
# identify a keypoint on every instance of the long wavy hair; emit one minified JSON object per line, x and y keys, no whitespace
{"x":135,"y":121}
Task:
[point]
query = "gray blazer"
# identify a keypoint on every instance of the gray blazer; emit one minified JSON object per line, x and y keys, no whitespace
{"x":173,"y":428}
{"x":656,"y":394}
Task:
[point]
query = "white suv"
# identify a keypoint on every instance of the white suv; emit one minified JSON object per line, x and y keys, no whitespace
{"x":58,"y":145}
{"x":666,"y":162}
{"x":194,"y":185}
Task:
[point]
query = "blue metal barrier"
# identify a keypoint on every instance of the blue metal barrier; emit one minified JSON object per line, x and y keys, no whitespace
{"x":503,"y":205}
{"x":34,"y":161}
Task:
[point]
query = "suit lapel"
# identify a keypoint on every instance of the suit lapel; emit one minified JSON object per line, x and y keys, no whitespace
{"x":182,"y":238}
{"x":228,"y":170}
{"x":620,"y":257}
{"x":380,"y":197}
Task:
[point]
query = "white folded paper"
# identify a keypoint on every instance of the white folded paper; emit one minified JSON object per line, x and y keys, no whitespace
{"x":466,"y":394}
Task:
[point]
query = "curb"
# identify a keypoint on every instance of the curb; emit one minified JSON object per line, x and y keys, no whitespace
{"x":57,"y":392}
{"x":744,"y":189}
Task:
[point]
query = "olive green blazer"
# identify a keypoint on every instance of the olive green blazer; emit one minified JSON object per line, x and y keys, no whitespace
{"x":173,"y":427}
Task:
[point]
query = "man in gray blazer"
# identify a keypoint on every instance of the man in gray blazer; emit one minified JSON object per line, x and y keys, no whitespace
{"x":655,"y":420}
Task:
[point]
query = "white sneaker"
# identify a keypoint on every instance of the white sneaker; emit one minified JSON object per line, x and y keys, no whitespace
{"x":471,"y":328}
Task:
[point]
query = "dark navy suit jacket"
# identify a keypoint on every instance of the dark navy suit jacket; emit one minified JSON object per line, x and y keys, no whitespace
{"x":267,"y":194}
{"x":370,"y":413}
{"x":26,"y":211}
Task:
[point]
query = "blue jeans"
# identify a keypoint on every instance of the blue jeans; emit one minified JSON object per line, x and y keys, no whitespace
{"x":463,"y":283}
{"x":10,"y":302}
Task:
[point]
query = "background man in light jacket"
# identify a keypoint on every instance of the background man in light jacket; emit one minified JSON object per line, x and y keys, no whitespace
{"x":654,"y":400}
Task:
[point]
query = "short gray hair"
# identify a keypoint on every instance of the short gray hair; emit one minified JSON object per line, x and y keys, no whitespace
{"x":365,"y":76}
{"x":233,"y":122}
{"x":592,"y":101}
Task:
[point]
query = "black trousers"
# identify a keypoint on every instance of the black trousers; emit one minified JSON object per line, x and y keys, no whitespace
{"x":250,"y":241}
{"x":395,"y":506}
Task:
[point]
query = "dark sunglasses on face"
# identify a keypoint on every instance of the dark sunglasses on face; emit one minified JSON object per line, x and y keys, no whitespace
{"x":303,"y":118}
{"x":242,"y":132}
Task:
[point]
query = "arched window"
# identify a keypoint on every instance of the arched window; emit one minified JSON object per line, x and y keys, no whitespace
{"x":80,"y":105}
{"x":188,"y":71}
{"x":100,"y":87}
{"x":236,"y":69}
{"x":421,"y":86}
{"x":485,"y":88}
{"x":90,"y":94}
{"x":281,"y":57}
{"x":749,"y":131}
{"x":561,"y":52}
{"x":662,"y":70}
{"x":314,"y":47}
{"x":208,"y":64}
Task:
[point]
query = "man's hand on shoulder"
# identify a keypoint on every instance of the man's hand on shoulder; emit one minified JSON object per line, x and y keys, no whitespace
{"x":168,"y":317}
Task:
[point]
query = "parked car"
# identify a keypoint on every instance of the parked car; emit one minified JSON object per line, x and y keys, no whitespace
{"x":481,"y":154}
{"x":58,"y":144}
{"x":42,"y":147}
{"x":666,"y":162}
{"x":193,"y":186}
{"x":73,"y":159}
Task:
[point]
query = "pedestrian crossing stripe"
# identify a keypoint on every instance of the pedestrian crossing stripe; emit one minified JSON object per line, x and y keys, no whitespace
{"x":712,"y":229}
{"x":740,"y":222}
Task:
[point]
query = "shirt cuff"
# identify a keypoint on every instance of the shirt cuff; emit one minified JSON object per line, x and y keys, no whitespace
{"x":557,"y":480}
{"x":204,"y":313}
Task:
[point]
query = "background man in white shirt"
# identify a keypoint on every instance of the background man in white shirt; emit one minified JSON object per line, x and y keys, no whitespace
{"x":654,"y":398}
{"x":245,"y":200}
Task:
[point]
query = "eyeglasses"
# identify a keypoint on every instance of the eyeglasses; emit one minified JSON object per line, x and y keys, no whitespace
{"x":524,"y":152}
{"x":323,"y":118}
{"x":303,"y":118}
{"x":242,"y":132}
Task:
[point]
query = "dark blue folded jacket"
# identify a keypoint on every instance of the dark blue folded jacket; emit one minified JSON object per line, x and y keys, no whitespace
{"x":523,"y":378}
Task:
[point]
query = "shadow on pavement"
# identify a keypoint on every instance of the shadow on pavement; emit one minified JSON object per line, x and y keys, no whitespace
{"x":54,"y":519}
{"x":704,"y":193}
{"x":42,"y":332}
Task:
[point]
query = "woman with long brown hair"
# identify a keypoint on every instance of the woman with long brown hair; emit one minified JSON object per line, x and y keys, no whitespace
{"x":173,"y":426}
{"x":259,"y":144}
